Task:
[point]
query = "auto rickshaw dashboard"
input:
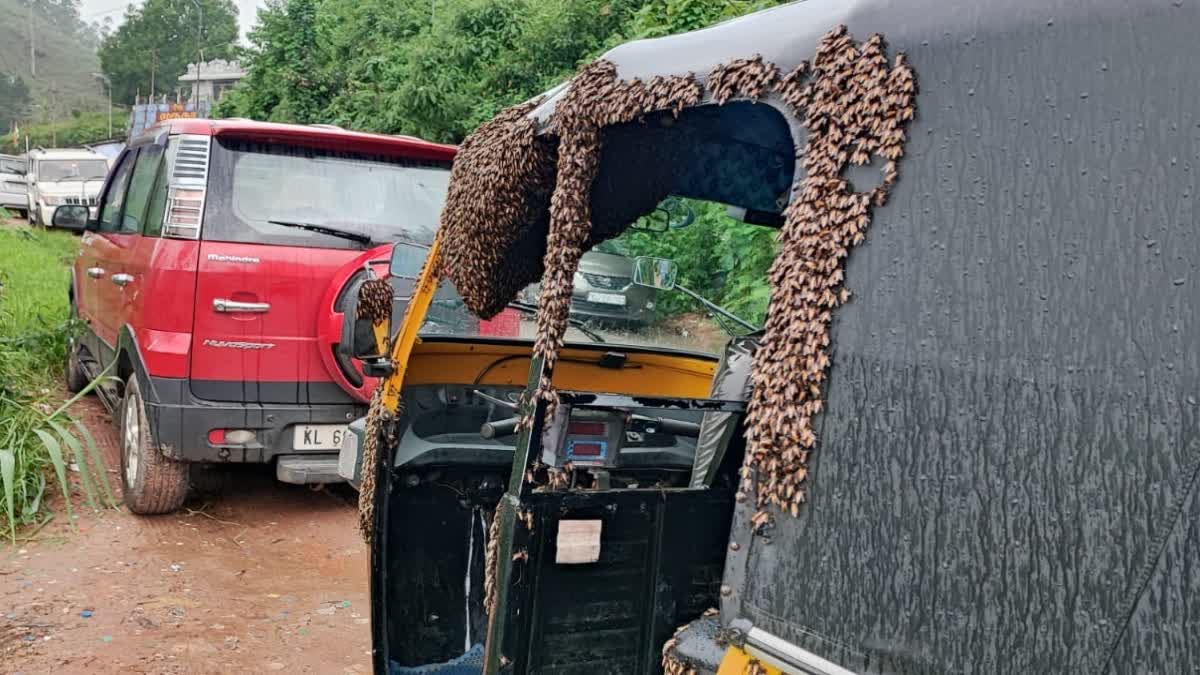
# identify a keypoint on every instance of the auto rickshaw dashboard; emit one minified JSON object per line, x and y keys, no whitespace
{"x":469,"y":424}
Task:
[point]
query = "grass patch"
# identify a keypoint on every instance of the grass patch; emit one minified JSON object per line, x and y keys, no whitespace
{"x":35,"y":434}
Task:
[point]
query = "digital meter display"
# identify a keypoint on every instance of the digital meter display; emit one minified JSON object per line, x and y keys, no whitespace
{"x":578,"y":428}
{"x":589,"y":438}
{"x":585,"y":449}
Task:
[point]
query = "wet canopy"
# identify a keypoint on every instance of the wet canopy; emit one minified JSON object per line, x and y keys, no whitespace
{"x":1005,"y":475}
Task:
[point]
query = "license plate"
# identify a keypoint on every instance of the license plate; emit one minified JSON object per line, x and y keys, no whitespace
{"x":318,"y":436}
{"x":606,"y":298}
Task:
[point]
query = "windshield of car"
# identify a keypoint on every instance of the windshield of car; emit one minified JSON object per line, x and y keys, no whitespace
{"x":256,"y":189}
{"x":11,"y":165}
{"x":55,"y":170}
{"x":606,"y":306}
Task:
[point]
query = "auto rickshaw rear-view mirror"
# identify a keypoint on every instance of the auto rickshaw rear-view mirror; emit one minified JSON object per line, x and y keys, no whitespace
{"x":657,"y":273}
{"x":407,"y":259}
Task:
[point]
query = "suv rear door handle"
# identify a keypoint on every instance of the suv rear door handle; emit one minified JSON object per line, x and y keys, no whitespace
{"x":95,"y":272}
{"x":121,"y":279}
{"x":229,"y":306}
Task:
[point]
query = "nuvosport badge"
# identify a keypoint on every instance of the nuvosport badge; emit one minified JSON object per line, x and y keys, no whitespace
{"x":226,"y":344}
{"x":217,"y":257}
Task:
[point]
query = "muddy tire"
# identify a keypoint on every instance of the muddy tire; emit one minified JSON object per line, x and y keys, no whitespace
{"x":152,"y":482}
{"x":77,"y":378}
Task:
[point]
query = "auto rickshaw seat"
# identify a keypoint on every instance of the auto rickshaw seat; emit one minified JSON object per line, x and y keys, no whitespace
{"x":731,"y":382}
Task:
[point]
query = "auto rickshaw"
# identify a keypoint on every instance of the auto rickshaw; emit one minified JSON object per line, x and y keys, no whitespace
{"x":985,"y":461}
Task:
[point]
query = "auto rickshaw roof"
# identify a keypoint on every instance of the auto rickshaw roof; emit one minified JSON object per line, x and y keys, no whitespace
{"x":696,"y":53}
{"x":718,"y":143}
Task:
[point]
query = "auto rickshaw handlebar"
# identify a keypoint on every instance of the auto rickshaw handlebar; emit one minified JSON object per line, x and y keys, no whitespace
{"x":508,"y":426}
{"x":499,"y":428}
{"x":673,"y":426}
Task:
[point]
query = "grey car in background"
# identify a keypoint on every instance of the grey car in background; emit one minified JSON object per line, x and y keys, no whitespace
{"x":14,"y":193}
{"x":604,"y":291}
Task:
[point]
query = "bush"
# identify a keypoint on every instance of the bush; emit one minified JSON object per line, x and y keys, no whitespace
{"x":36,"y":436}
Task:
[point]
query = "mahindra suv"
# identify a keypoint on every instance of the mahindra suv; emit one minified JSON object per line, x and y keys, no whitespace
{"x":63,"y":176}
{"x":212,"y":284}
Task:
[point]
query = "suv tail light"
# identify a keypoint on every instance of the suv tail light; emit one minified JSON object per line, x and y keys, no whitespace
{"x":185,"y":197}
{"x":185,"y":208}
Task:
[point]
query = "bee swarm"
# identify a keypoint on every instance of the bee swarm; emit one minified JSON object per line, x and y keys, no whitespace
{"x":519,"y":209}
{"x":854,"y":105}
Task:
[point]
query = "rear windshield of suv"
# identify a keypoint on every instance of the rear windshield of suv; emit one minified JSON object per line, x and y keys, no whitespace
{"x":385,"y":198}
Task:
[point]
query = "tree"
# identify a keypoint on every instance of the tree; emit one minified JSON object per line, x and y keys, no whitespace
{"x":434,"y":69}
{"x":292,"y":79}
{"x":14,"y":101}
{"x":165,"y":36}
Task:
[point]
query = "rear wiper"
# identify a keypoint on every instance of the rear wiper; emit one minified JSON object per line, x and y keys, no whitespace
{"x":323,"y":229}
{"x":532,"y":309}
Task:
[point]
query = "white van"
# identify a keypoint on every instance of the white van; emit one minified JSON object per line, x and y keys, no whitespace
{"x":57,"y":177}
{"x":14,"y":194}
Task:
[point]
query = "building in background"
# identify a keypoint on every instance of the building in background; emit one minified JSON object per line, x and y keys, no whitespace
{"x":216,"y":77}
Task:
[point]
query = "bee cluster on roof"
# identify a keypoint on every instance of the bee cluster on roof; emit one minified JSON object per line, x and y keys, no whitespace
{"x":495,"y":210}
{"x":855,"y":106}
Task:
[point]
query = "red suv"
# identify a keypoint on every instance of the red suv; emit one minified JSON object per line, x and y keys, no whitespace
{"x":214,"y":282}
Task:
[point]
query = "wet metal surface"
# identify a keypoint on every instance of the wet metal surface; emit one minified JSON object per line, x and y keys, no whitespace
{"x":1006,"y":474}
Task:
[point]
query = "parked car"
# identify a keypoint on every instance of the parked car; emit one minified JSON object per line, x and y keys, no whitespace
{"x":63,"y":177}
{"x":211,"y":285}
{"x":604,"y":291}
{"x":14,"y":194}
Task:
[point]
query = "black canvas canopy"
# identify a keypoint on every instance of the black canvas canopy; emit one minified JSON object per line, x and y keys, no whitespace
{"x":1006,"y":474}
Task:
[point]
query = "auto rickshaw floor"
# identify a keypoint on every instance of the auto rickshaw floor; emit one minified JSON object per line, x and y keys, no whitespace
{"x":258,"y":576}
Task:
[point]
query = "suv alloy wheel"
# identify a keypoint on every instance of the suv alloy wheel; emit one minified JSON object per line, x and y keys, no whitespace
{"x":152,"y":483}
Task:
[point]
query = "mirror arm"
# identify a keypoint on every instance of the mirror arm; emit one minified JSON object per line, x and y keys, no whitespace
{"x":714,"y":308}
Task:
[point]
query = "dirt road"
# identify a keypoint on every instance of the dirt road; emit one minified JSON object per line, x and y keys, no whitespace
{"x":260,"y":577}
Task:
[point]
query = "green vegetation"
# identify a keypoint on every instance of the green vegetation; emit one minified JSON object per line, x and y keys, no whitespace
{"x":156,"y":41}
{"x":439,"y":69}
{"x":66,"y":57}
{"x":76,"y":130}
{"x":35,"y":433}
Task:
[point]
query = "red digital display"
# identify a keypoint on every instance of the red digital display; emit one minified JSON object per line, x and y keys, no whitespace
{"x":587,"y":449}
{"x":586,"y":429}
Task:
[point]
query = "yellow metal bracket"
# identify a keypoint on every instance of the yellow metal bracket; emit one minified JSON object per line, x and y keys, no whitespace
{"x":414,"y":316}
{"x":737,"y":662}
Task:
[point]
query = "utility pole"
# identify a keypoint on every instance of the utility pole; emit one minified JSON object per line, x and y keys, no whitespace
{"x":107,"y":83}
{"x":153,"y":64}
{"x":53,"y":114}
{"x":32,"y":51}
{"x":199,"y":53}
